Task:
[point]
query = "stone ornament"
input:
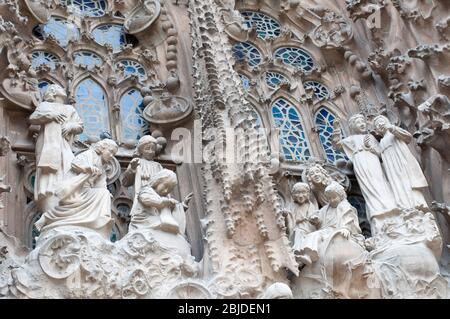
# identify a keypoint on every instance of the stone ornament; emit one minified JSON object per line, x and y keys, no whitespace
{"x":334,"y":30}
{"x":39,"y":9}
{"x":143,"y":16}
{"x":167,"y":110}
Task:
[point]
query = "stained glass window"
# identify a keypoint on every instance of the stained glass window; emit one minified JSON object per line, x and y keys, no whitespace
{"x":92,"y":106}
{"x":112,"y":34}
{"x":320,"y":91}
{"x":255,"y":115}
{"x":295,"y":57}
{"x":324,"y":123}
{"x":245,"y":51}
{"x":275,"y":79}
{"x":133,"y":124}
{"x":293,"y":140}
{"x":115,"y":234}
{"x":38,"y":33}
{"x":266,"y":27}
{"x":61,"y":29}
{"x":87,"y":58}
{"x":90,"y":8}
{"x":39,"y":58}
{"x":132,"y":67}
{"x":245,"y":82}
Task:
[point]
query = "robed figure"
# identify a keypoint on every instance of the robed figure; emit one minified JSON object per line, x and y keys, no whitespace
{"x":402,"y":169}
{"x":59,"y":124}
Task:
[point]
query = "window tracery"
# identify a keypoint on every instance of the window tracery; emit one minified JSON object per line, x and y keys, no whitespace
{"x":89,"y":8}
{"x":133,"y":124}
{"x":275,"y":79}
{"x":324,"y":123}
{"x":244,"y":51}
{"x":111,"y":34}
{"x":39,"y":58}
{"x":320,"y":91}
{"x":91,"y":104}
{"x":293,"y":140}
{"x":131,"y":67}
{"x":296,"y":58}
{"x":266,"y":27}
{"x":245,"y":82}
{"x":88,"y":59}
{"x":62,"y":30}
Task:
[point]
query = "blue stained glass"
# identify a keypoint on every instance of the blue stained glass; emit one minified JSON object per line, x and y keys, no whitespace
{"x":292,"y":137}
{"x":43,"y":85}
{"x":34,"y":231}
{"x":245,"y":82}
{"x":275,"y":79}
{"x":61,"y":29}
{"x":296,"y":58}
{"x":111,"y":34}
{"x":132,"y":67}
{"x":324,"y":124}
{"x":266,"y":27}
{"x":39,"y":58}
{"x":320,"y":91}
{"x":92,"y":106}
{"x":90,"y":8}
{"x":87,"y":58}
{"x":133,"y":124}
{"x":115,"y":234}
{"x":246,"y":51}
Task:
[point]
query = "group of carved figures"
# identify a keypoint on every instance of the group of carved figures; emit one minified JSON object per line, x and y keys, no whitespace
{"x":336,"y":260}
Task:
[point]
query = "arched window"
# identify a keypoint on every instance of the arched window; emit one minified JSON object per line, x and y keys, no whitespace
{"x":89,"y":8}
{"x":131,"y":67}
{"x":62,"y":30}
{"x":133,"y":124}
{"x":295,"y":57}
{"x":256,"y":115}
{"x":266,"y":27}
{"x":275,"y":79}
{"x":245,"y":82}
{"x":293,"y":140}
{"x":320,"y":91}
{"x":88,"y":59}
{"x":111,"y":34}
{"x":324,"y":123}
{"x":39,"y":58}
{"x":92,"y":106}
{"x":245,"y":51}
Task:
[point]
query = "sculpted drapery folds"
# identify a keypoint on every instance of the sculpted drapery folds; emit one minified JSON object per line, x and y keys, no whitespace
{"x":83,"y":199}
{"x":59,"y":124}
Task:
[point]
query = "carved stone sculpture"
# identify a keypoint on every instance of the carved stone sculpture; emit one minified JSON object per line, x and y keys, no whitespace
{"x":362,"y":149}
{"x":59,"y":124}
{"x":402,"y":169}
{"x":83,"y":199}
{"x":318,"y":178}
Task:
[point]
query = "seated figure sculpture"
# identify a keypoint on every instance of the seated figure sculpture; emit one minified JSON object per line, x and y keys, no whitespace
{"x":83,"y":197}
{"x":339,"y":245}
{"x":159,"y":214}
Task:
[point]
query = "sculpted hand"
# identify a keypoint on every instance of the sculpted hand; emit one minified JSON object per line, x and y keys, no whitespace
{"x":59,"y":118}
{"x":314,"y":220}
{"x":134,"y":163}
{"x":345,"y":232}
{"x":95,"y":171}
{"x":337,"y":125}
{"x":66,"y":130}
{"x":187,"y":199}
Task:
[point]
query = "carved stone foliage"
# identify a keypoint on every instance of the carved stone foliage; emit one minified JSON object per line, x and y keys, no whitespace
{"x":334,"y":30}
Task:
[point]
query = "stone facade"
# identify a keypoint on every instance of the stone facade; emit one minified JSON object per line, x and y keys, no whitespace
{"x":224,"y":149}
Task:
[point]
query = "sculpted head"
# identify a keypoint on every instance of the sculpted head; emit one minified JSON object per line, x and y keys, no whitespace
{"x":318,"y":176}
{"x":357,"y":124}
{"x":147,"y":147}
{"x":381,"y":124}
{"x":300,"y":193}
{"x":335,"y":193}
{"x":164,"y":182}
{"x":106,"y":148}
{"x":53,"y":92}
{"x":278,"y":290}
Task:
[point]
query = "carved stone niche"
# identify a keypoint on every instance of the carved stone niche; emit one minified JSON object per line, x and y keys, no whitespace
{"x":333,"y":31}
{"x":143,"y":16}
{"x":167,"y":110}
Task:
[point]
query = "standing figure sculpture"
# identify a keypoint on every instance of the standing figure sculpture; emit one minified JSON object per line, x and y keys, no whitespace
{"x":142,"y":168}
{"x":59,"y":123}
{"x":84,"y":199}
{"x":402,"y":169}
{"x":363,"y":150}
